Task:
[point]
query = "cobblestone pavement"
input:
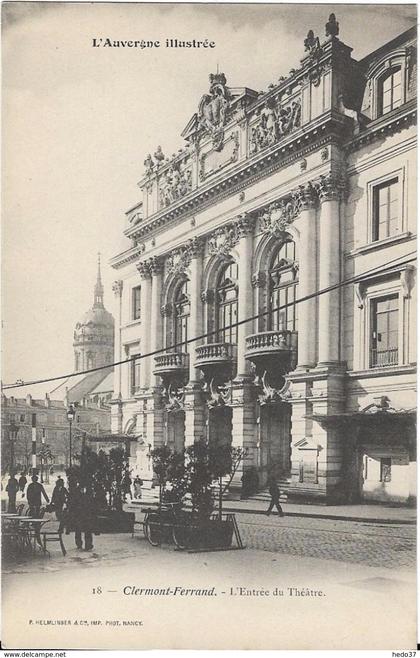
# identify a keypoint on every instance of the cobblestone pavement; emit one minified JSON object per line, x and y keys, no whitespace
{"x":372,"y":545}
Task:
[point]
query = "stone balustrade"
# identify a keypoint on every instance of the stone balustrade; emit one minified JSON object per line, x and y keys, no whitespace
{"x":271,"y":341}
{"x":215,"y":353}
{"x":171,"y":362}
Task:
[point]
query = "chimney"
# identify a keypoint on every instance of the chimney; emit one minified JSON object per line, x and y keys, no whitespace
{"x":47,"y":401}
{"x":29,"y":400}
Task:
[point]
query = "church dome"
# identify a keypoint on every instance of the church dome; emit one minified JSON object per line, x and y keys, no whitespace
{"x":94,"y":333}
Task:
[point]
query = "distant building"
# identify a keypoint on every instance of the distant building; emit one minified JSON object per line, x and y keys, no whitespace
{"x":52,"y":429}
{"x":277,"y":196}
{"x":93,"y":346}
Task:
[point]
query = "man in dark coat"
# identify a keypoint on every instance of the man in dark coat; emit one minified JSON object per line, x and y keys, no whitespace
{"x":33,"y":495}
{"x":12,"y":488}
{"x":22,"y":482}
{"x":84,"y":516}
{"x":275,"y":496}
{"x":58,"y":500}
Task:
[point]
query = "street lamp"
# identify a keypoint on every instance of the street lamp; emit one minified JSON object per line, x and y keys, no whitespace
{"x":71,"y":412}
{"x":13,"y":430}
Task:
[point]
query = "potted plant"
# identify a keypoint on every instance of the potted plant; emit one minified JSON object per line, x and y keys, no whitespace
{"x":107,"y":475}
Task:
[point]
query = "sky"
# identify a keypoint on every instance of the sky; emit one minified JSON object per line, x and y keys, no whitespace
{"x":78,"y":122}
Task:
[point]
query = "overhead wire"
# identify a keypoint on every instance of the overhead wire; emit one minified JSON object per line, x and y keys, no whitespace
{"x":380,"y":269}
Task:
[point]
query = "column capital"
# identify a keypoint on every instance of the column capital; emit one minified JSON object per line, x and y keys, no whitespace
{"x":117,"y":288}
{"x":306,"y":197}
{"x":330,"y":187}
{"x":144,"y":269}
{"x":245,"y":225}
{"x":155,"y":265}
{"x":195,"y":247}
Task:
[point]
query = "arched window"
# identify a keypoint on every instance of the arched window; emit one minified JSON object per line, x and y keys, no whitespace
{"x":390,"y":91}
{"x":181,"y":315}
{"x":227,"y":304}
{"x":283,"y":288}
{"x":90,"y":360}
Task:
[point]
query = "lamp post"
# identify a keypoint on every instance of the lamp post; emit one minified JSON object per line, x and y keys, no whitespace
{"x":13,"y":430}
{"x":70,"y":417}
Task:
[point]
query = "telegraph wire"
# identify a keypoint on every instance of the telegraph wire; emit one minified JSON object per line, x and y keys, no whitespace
{"x":359,"y":277}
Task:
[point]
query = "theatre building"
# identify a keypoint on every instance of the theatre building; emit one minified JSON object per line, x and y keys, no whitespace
{"x":294,"y":207}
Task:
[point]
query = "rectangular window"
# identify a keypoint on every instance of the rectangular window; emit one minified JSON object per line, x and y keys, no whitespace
{"x":385,"y":475}
{"x":134,"y":375}
{"x":386,"y":210}
{"x":22,"y":418}
{"x":384,"y":335}
{"x":136,"y":300}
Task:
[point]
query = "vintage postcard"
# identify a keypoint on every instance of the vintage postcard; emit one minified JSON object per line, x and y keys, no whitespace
{"x":209,"y":326}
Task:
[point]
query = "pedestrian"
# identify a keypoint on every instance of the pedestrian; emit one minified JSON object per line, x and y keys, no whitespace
{"x":138,"y":483}
{"x":22,"y":483}
{"x":33,"y":495}
{"x":126,"y":485}
{"x":84,"y":509}
{"x":12,"y":488}
{"x":58,"y":500}
{"x":274,"y":492}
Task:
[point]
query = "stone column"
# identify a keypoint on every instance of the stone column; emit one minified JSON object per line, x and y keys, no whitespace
{"x":195,"y":414}
{"x":306,"y":225}
{"x":156,"y":318}
{"x":245,"y":293}
{"x":195,"y":325}
{"x":146,"y":294}
{"x":329,"y":272}
{"x":244,"y":428}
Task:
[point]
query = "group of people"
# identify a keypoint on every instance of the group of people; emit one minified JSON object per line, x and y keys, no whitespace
{"x":75,"y":508}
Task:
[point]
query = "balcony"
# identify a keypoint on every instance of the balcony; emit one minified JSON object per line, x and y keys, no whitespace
{"x":216,"y":360}
{"x":272,"y":349}
{"x":171,"y":365}
{"x":384,"y":358}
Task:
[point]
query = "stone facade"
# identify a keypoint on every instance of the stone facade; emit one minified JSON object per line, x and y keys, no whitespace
{"x":294,"y":208}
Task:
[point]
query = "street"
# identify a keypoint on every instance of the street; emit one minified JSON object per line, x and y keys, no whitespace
{"x":293,"y":569}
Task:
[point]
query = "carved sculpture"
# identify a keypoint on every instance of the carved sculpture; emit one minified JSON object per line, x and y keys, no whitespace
{"x":174,"y":184}
{"x":274,"y":123}
{"x":332,"y":27}
{"x":311,"y":43}
{"x":279,"y":215}
{"x":180,"y":258}
{"x":148,"y":164}
{"x":213,"y":107}
{"x":158,"y":155}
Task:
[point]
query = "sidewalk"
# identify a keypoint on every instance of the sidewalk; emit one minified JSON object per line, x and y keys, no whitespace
{"x":362,"y":513}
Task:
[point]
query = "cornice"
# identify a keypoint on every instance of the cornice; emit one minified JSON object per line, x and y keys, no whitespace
{"x":326,"y":129}
{"x":386,"y":125}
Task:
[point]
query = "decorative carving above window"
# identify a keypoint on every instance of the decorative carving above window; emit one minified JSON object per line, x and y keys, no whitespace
{"x":275,"y":121}
{"x":180,"y":258}
{"x":279,"y":215}
{"x":226,"y":237}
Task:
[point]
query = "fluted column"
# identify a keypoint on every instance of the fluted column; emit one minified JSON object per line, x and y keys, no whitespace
{"x":155,"y":265}
{"x":146,"y":296}
{"x":245,"y":294}
{"x":329,"y":271}
{"x":195,"y":327}
{"x":306,"y":225}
